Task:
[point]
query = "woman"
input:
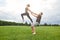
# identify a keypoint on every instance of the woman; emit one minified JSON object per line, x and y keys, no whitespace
{"x":27,"y":13}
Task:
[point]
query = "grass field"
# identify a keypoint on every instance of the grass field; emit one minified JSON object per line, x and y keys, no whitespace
{"x":24,"y":33}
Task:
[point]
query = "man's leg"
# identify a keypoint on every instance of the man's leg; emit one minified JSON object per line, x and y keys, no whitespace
{"x":33,"y":29}
{"x":23,"y":15}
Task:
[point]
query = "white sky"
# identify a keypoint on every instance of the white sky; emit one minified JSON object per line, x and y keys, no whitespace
{"x":36,"y":5}
{"x":16,"y":7}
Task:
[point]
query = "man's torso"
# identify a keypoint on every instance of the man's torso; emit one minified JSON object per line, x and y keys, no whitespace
{"x":38,"y":18}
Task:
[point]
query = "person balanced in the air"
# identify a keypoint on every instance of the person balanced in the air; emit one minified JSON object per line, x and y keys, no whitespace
{"x":27,"y":10}
{"x":38,"y":16}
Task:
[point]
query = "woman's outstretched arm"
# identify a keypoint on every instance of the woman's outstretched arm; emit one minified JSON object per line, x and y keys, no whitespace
{"x":34,"y":14}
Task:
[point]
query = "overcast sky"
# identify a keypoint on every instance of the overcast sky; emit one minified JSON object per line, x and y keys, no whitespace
{"x":11,"y":10}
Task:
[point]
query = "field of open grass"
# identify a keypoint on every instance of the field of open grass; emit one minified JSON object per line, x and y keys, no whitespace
{"x":24,"y":33}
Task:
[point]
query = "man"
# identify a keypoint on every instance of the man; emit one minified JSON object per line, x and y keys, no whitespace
{"x":38,"y":16}
{"x":27,"y":10}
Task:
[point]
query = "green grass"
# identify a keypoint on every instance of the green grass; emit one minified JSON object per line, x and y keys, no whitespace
{"x":24,"y":33}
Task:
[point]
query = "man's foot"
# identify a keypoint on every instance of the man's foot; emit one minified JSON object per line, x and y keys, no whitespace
{"x":34,"y":33}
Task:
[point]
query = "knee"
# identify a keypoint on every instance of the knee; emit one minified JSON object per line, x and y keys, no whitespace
{"x":21,"y":14}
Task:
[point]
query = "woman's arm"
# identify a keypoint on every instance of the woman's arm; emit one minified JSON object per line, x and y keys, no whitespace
{"x":30,"y":10}
{"x":34,"y":14}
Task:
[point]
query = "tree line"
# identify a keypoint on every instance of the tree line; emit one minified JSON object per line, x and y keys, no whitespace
{"x":7,"y":23}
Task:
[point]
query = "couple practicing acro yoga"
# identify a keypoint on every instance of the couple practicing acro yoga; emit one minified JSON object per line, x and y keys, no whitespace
{"x":38,"y":16}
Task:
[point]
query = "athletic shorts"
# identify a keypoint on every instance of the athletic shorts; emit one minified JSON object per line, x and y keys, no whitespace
{"x":34,"y":24}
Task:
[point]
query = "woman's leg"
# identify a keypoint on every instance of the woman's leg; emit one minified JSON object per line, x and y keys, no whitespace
{"x":30,"y":18}
{"x":23,"y":15}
